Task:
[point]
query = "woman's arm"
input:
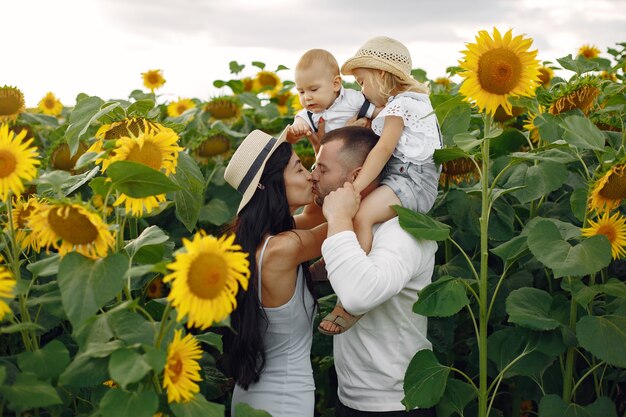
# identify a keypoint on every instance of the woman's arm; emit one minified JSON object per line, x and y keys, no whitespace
{"x":381,"y":153}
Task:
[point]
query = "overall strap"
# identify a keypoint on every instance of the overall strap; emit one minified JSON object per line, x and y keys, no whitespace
{"x":363,"y":109}
{"x":260,"y":263}
{"x":310,"y":114}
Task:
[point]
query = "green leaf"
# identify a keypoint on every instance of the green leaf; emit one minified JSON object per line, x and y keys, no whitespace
{"x":539,"y":180}
{"x":28,"y":392}
{"x":549,"y":127}
{"x":455,"y":398}
{"x":552,"y":405}
{"x":235,"y":68}
{"x":19,"y":327}
{"x":454,"y":117}
{"x":45,"y":267}
{"x":47,"y":362}
{"x":151,"y":235}
{"x":549,"y":247}
{"x":87,"y":285}
{"x":86,"y":111}
{"x":531,"y":308}
{"x":127,"y":366}
{"x":580,"y":132}
{"x":510,"y":140}
{"x":156,"y":358}
{"x":190,"y":196}
{"x":449,"y":154}
{"x":578,"y":203}
{"x":117,"y":402}
{"x":198,"y":407}
{"x":258,"y":64}
{"x":466,"y":141}
{"x":442,"y":298}
{"x":216,"y":212}
{"x":508,"y":345}
{"x":244,"y":410}
{"x":211,"y":339}
{"x":138,"y":180}
{"x":561,"y":154}
{"x":605,"y":337}
{"x":511,"y":250}
{"x":421,"y":226}
{"x":140,"y":108}
{"x":425,"y":380}
{"x":579,"y":65}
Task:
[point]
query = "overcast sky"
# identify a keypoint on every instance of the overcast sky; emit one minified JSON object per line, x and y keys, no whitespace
{"x":101,"y":47}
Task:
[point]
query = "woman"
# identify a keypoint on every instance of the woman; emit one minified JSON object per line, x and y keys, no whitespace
{"x":269,"y":352}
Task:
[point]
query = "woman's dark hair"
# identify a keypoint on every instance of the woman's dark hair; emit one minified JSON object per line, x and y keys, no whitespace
{"x":267,"y":213}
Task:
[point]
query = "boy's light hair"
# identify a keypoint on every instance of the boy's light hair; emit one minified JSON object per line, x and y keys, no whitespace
{"x":318,"y":57}
{"x":390,"y":84}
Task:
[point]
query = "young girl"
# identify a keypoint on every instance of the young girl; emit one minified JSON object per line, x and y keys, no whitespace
{"x":409,"y":135}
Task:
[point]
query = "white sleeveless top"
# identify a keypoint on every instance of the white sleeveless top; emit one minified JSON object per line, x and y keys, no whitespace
{"x":286,"y":387}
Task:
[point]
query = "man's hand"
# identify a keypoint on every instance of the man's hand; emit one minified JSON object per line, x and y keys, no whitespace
{"x":339,"y":207}
{"x":362,"y":122}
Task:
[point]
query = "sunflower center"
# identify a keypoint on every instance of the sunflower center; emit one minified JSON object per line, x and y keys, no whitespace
{"x":49,"y":103}
{"x":268,"y":80}
{"x":22,"y":216}
{"x":608,"y":231}
{"x":499,"y":71}
{"x":207,"y":276}
{"x":149,"y":154}
{"x":176,"y":369}
{"x":7,"y":163}
{"x":615,"y":187}
{"x":72,"y":226}
{"x":153,"y":78}
{"x":181,"y":108}
{"x":9,"y":105}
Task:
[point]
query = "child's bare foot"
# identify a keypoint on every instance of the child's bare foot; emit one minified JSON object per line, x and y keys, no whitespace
{"x":337,"y":322}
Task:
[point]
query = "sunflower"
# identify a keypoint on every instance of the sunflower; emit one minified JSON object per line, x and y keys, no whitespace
{"x":533,"y":131}
{"x":248,"y":85}
{"x":109,"y":383}
{"x":22,"y":209}
{"x":61,"y":159}
{"x":588,"y":51}
{"x":294,"y":103}
{"x":268,"y":82}
{"x":206,"y":279}
{"x":546,"y":74}
{"x":182,"y":369}
{"x":157,"y":149}
{"x":71,"y":227}
{"x":458,"y":171}
{"x":581,"y":95}
{"x":50,"y":105}
{"x":605,"y":75}
{"x":176,"y":108}
{"x":609,"y":191}
{"x":614,"y":228}
{"x":7,"y":284}
{"x":97,"y":201}
{"x":214,"y":145}
{"x":11,"y":103}
{"x":155,"y":288}
{"x":443,"y":83}
{"x":153,"y":79}
{"x":18,"y":162}
{"x":502,"y":116}
{"x":283,"y":101}
{"x":127,"y":127}
{"x":496,"y":68}
{"x":224,"y":108}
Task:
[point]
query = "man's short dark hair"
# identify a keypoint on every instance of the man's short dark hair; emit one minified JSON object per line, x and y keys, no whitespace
{"x":357,"y":143}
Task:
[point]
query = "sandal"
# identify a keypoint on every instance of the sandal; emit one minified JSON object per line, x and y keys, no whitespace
{"x":344,"y":322}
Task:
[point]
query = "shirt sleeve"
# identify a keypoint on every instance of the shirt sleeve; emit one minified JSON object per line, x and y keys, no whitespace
{"x":362,"y":282}
{"x":303,"y":114}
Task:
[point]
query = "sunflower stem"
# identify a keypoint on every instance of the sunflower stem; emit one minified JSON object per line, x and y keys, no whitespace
{"x":483,"y":390}
{"x":569,"y":357}
{"x":164,"y":324}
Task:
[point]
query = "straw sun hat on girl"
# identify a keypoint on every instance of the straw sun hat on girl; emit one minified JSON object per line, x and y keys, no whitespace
{"x":381,"y":53}
{"x":244,"y":170}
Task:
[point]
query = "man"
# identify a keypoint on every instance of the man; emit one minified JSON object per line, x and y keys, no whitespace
{"x":372,"y":357}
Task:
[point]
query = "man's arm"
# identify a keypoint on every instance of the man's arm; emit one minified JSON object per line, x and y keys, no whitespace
{"x":362,"y":281}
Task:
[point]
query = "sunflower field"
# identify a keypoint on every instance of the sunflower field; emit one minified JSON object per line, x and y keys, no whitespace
{"x":117,"y":281}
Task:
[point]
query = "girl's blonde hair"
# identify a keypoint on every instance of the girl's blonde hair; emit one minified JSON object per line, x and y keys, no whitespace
{"x":391,"y":85}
